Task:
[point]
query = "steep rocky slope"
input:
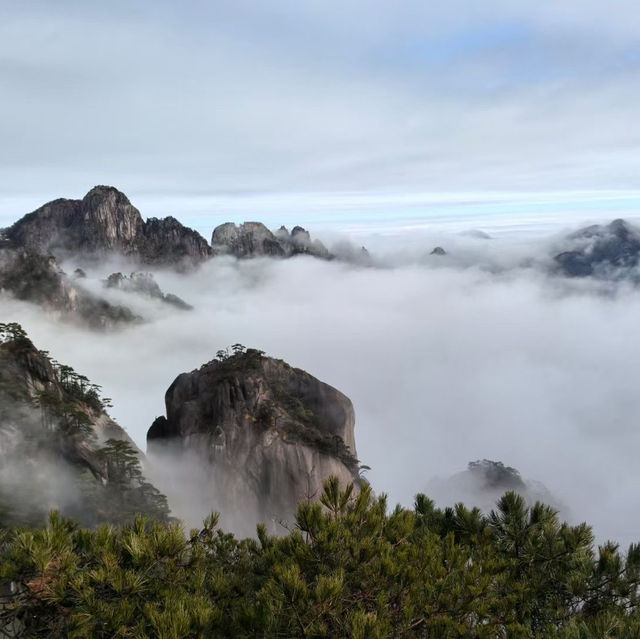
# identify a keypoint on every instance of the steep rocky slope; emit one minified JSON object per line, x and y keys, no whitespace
{"x":38,"y":279}
{"x":105,"y":222}
{"x":58,"y":446}
{"x":267,"y":435}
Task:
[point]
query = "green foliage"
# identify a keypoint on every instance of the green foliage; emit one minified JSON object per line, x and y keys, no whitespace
{"x":11,"y":332}
{"x":235,"y":351}
{"x":72,"y":388}
{"x":238,"y":356}
{"x":350,"y":568}
{"x":126,"y":492}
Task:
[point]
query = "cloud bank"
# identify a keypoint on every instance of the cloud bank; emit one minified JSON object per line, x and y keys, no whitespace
{"x":444,"y":364}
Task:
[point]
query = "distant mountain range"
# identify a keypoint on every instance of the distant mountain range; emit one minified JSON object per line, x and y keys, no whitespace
{"x":104,"y":224}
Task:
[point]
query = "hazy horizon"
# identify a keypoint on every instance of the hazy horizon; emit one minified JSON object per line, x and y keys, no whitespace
{"x":374,"y":216}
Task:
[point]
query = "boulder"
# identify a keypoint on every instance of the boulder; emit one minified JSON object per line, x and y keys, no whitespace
{"x":266,"y":435}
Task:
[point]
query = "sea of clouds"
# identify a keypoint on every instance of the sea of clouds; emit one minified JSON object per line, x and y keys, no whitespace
{"x":479,"y":354}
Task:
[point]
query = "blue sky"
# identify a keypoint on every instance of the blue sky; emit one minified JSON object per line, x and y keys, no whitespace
{"x":239,"y":100}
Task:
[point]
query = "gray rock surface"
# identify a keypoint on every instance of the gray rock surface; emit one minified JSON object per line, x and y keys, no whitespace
{"x":254,"y":239}
{"x":105,"y":222}
{"x":608,"y":251}
{"x":268,"y":435}
{"x":251,"y":239}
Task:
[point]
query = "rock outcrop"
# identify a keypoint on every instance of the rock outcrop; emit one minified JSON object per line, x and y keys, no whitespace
{"x":57,"y":442}
{"x":36,"y":278}
{"x":268,"y":435}
{"x":606,"y":251}
{"x":254,"y":239}
{"x":146,"y":285}
{"x":104,"y":222}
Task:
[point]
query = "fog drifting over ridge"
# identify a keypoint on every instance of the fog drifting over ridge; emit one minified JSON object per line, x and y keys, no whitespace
{"x":444,"y":364}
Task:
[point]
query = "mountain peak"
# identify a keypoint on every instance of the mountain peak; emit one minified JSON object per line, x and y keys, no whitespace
{"x":102,"y":192}
{"x":104,"y":221}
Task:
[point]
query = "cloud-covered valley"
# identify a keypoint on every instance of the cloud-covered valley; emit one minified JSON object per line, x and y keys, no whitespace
{"x":444,"y":364}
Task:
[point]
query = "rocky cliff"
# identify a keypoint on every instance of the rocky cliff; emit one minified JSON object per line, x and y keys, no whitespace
{"x":268,"y":435}
{"x":105,"y":222}
{"x":254,"y":239}
{"x":59,"y":448}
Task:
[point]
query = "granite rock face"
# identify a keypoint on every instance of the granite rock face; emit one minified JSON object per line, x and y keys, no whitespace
{"x":167,"y":241}
{"x":104,"y":222}
{"x":254,"y":239}
{"x":38,"y":279}
{"x":251,"y":239}
{"x":268,"y":435}
{"x":607,"y":251}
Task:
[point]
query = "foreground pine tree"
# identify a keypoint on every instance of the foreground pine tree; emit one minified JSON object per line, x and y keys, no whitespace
{"x":349,"y":568}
